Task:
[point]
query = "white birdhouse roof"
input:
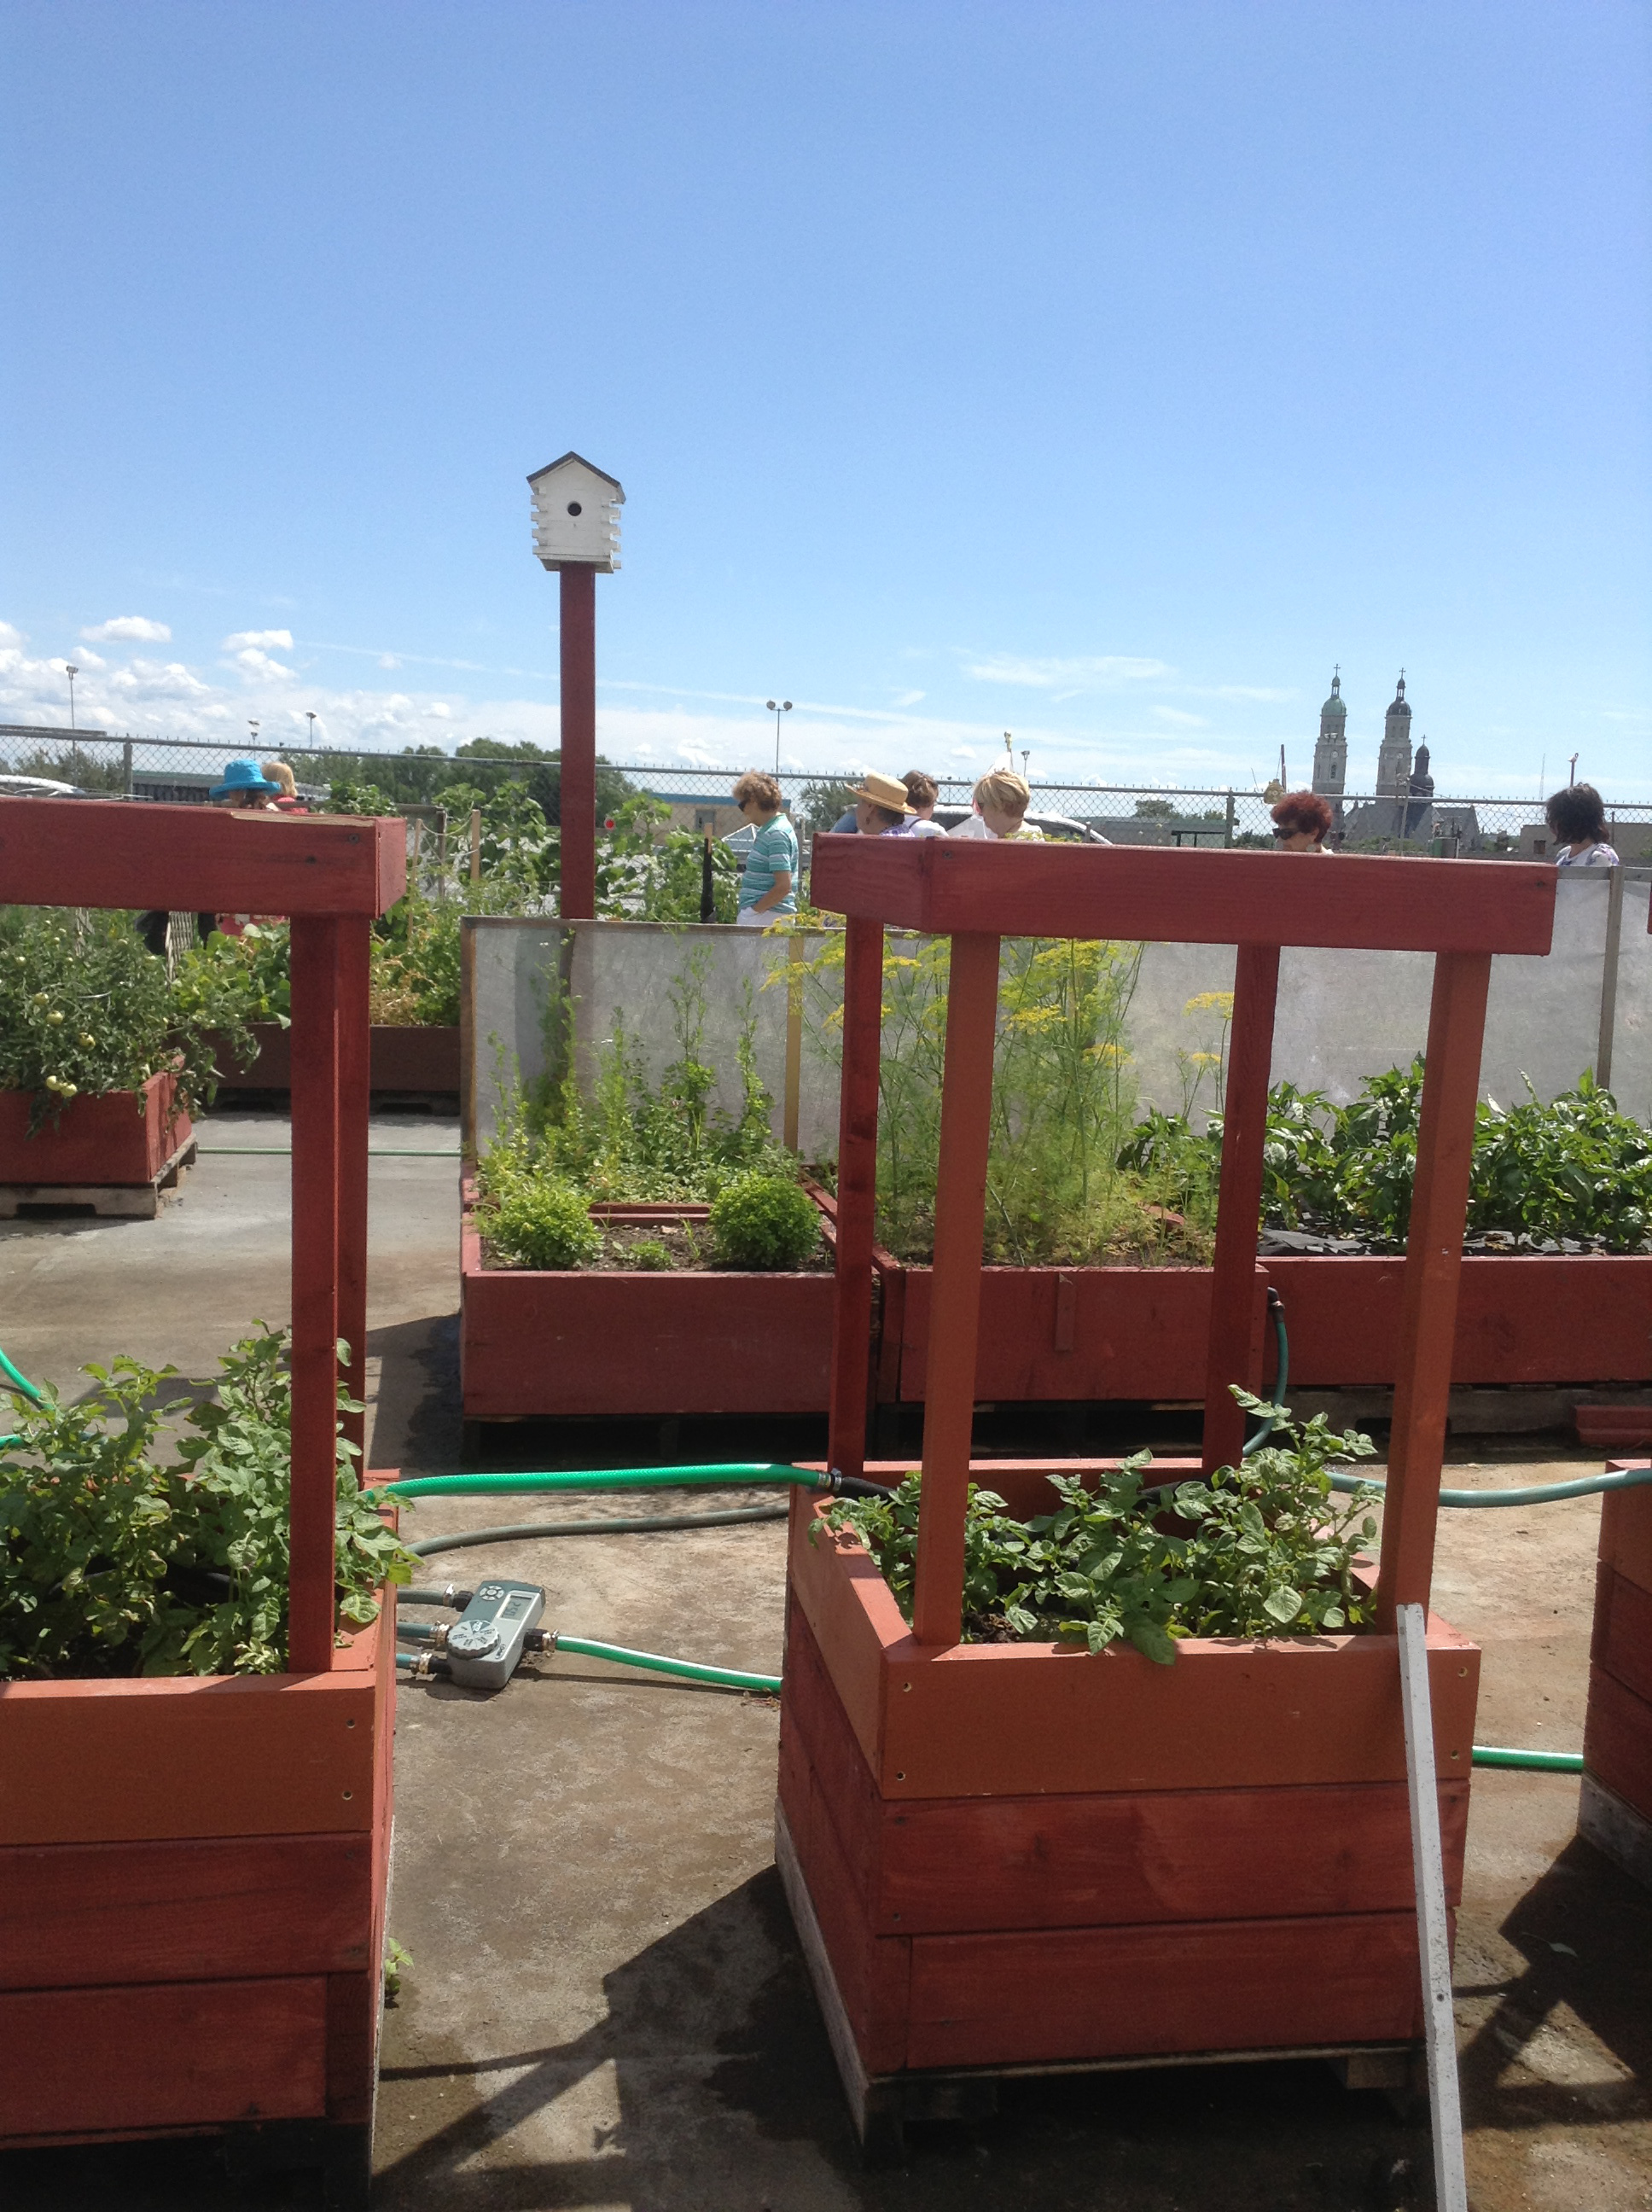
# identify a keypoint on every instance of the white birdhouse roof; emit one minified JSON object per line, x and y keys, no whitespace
{"x":579,"y":461}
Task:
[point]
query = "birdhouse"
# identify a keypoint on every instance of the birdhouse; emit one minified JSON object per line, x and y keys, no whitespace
{"x":576,"y":515}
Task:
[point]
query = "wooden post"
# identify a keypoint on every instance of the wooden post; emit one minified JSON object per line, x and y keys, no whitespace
{"x":315,"y":978}
{"x":354,"y":1079}
{"x":1434,"y":1257}
{"x":579,"y":773}
{"x":955,"y":1291}
{"x":476,"y":844}
{"x":793,"y":1042}
{"x":1250,"y":1052}
{"x":857,"y":1192}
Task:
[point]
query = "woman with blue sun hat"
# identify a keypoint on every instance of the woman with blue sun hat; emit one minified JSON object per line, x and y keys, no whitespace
{"x":246,"y":786}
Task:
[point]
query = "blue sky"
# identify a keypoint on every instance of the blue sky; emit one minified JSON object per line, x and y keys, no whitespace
{"x":1102,"y":374}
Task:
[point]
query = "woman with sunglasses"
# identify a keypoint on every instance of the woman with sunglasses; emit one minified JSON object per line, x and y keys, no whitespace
{"x":1302,"y":822}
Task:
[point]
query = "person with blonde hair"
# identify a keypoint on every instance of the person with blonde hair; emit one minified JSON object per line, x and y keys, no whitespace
{"x":1001,"y":799}
{"x":768,"y":886}
{"x":287,"y":799}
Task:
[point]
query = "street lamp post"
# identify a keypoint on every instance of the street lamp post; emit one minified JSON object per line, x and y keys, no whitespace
{"x":309,"y":716}
{"x":777,"y":707}
{"x":71,"y":672}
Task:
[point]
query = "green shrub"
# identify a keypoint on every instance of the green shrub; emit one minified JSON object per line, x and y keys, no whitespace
{"x":764,"y":1221}
{"x":1264,"y":1549}
{"x":650,"y":1254}
{"x":536,"y":1221}
{"x":113,"y":1562}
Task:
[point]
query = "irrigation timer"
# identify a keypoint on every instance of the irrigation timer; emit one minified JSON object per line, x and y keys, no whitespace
{"x":484,"y":1645}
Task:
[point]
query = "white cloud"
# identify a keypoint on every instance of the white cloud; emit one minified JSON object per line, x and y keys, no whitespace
{"x":254,"y":662}
{"x":1098,"y":672}
{"x":128,"y":629}
{"x":240,"y":639}
{"x":85,"y":660}
{"x":440,"y":710}
{"x":10,"y":637}
{"x":1180,"y":721}
{"x":907,"y":698}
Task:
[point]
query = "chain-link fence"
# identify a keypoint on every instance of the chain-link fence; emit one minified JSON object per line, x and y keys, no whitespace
{"x":184,"y":769}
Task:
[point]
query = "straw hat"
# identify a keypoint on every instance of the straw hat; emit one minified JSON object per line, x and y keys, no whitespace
{"x":884,"y":791}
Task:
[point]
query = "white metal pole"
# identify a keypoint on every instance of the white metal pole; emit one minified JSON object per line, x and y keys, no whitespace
{"x":1433,"y":1928}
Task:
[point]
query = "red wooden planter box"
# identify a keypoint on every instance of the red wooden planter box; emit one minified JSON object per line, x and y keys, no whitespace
{"x":1018,"y":1854}
{"x":401,"y":1060}
{"x":126,"y":1137}
{"x":1093,"y":1333}
{"x":540,"y":1344}
{"x":192,"y":1875}
{"x":1616,"y":1811}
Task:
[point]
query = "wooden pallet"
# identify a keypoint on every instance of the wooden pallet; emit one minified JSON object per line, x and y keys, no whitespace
{"x":131,"y":1201}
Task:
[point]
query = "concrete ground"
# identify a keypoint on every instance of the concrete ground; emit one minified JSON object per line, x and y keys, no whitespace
{"x":605,"y":2006}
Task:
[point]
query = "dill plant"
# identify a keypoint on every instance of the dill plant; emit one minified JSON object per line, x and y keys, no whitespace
{"x":1062,"y":1104}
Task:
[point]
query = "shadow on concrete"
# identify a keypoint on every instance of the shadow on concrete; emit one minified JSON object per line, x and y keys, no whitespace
{"x":1585,"y":1932}
{"x":728,"y":2097}
{"x":417,"y":1426}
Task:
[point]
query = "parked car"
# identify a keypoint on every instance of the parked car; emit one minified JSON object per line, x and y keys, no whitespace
{"x":40,"y":787}
{"x":1061,"y":827}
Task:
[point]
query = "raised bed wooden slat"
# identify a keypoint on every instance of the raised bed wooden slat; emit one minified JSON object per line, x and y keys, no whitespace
{"x":136,"y":1912}
{"x":1616,"y":1808}
{"x":421,"y":1061}
{"x":113,"y":1139}
{"x":548,"y":1343}
{"x":179,"y":2055}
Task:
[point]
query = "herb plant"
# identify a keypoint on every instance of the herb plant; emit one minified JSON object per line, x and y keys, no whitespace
{"x":764,"y":1221}
{"x":117,"y":1558}
{"x":1265,"y":1549}
{"x":535,"y":1221}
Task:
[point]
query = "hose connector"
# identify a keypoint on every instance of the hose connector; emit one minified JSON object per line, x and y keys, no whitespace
{"x":422,"y":1666}
{"x":855,"y":1486}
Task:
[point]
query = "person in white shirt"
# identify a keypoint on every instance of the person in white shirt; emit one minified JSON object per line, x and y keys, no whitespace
{"x":1001,"y":800}
{"x":922,"y":792}
{"x":1577,"y":816}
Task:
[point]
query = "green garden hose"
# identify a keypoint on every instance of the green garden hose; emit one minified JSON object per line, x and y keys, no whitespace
{"x":1535,"y":1493}
{"x":1276,"y":1310}
{"x":723,"y":1678}
{"x":21,"y":1383}
{"x":723,"y":1475}
{"x":527,"y":1531}
{"x":1534,"y":1762}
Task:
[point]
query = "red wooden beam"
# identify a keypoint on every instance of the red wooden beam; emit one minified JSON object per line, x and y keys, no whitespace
{"x":1185,"y":896}
{"x":354,"y":1079}
{"x":857,"y":1190}
{"x":1256,"y":985}
{"x":579,"y":773}
{"x":315,"y":1000}
{"x":955,"y":1297}
{"x":76,"y":852}
{"x":1434,"y":1259}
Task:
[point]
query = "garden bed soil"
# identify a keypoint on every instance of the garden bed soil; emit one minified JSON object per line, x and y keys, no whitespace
{"x":547,"y":1344}
{"x":1615,"y":1810}
{"x":192,"y":1875}
{"x":124,"y":1138}
{"x":1020,"y":1856}
{"x":425,"y":1061}
{"x":1097,"y":1332}
{"x":682,"y":1231}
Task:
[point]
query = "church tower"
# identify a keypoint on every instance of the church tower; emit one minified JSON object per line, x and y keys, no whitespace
{"x":1331,"y":753}
{"x":1394,"y":761}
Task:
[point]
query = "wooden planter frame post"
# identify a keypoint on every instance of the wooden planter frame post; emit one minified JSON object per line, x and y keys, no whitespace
{"x":956,"y":1818}
{"x":162,"y":1773}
